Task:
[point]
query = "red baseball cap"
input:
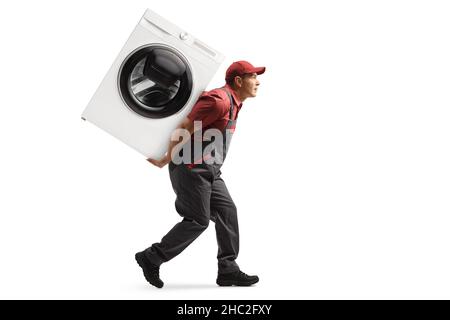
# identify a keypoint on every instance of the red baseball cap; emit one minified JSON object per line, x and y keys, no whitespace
{"x":239,"y":68}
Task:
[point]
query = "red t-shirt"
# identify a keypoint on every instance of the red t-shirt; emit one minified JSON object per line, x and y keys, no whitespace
{"x":213,"y":108}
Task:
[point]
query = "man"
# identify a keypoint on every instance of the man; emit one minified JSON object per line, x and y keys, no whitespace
{"x":201,"y":193}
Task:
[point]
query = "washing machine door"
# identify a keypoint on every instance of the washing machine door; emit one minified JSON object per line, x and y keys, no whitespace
{"x":155,"y":81}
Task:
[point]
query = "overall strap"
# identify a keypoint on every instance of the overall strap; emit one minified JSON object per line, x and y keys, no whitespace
{"x":231,"y":101}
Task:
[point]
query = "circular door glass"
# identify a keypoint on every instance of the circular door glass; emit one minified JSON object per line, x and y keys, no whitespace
{"x":155,"y":81}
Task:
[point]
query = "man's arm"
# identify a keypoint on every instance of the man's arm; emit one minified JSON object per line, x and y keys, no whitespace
{"x":186,"y":124}
{"x":206,"y":109}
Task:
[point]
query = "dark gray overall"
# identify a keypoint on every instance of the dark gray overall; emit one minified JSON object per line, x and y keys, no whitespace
{"x":202,"y":196}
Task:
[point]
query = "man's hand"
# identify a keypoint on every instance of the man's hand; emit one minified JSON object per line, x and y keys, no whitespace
{"x":186,"y":124}
{"x":159,"y":163}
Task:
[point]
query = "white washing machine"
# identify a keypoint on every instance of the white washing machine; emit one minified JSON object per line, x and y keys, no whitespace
{"x":152,"y":85}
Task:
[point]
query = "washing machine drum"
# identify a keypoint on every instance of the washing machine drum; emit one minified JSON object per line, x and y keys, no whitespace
{"x":155,"y":81}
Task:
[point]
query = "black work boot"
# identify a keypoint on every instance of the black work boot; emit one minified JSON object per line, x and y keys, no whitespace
{"x":151,"y":271}
{"x":237,"y":278}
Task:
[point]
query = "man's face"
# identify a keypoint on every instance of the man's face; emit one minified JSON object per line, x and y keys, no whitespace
{"x":250,"y":85}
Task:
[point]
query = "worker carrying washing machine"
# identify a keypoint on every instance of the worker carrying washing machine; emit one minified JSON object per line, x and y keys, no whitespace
{"x":194,"y":169}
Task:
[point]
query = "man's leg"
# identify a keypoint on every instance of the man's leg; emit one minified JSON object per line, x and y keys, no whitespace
{"x":193,"y":190}
{"x":224,"y":214}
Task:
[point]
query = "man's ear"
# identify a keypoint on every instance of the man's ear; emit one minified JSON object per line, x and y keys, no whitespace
{"x":238,"y":81}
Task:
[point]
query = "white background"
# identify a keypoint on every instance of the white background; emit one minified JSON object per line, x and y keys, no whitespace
{"x":339,"y":168}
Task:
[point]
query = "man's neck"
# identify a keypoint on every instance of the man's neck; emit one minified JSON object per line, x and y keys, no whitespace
{"x":240,"y":95}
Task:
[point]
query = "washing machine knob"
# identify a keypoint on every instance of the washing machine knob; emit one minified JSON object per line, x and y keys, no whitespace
{"x":184,"y":36}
